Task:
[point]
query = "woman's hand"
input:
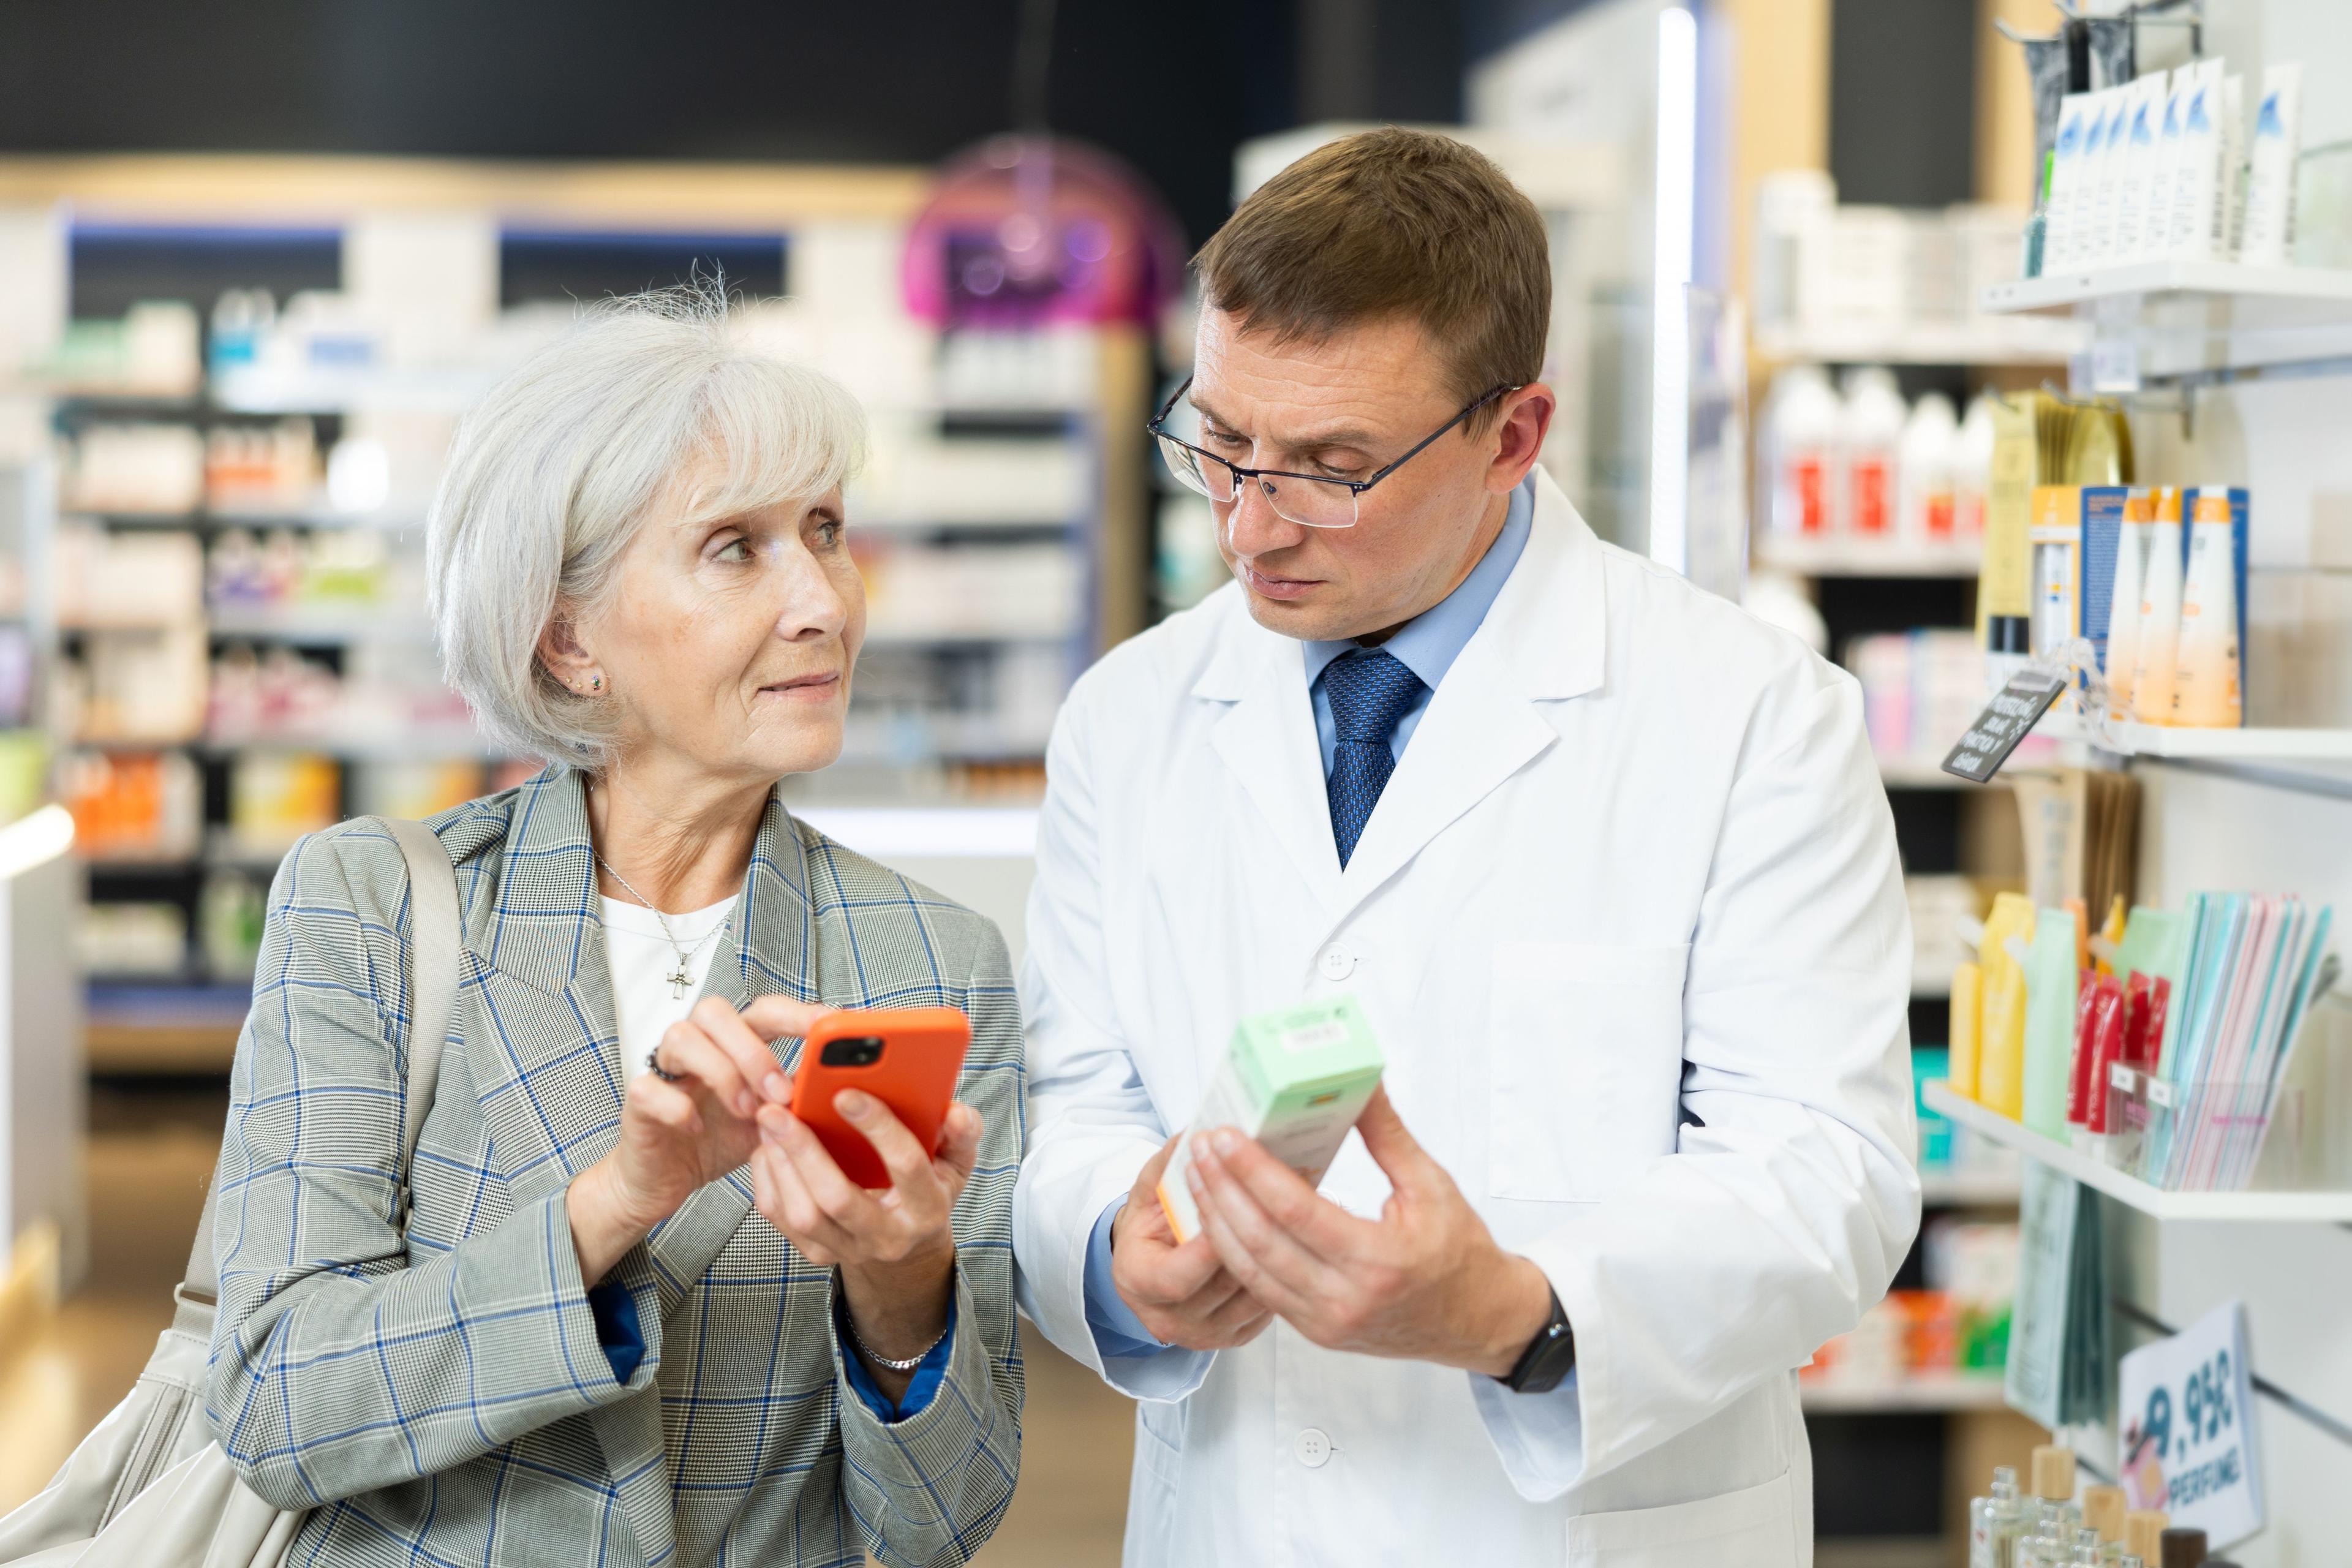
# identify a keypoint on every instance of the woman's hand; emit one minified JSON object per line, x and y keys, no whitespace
{"x":679,"y":1135}
{"x":894,"y":1247}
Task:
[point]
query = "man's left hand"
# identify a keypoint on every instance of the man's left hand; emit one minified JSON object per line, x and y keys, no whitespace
{"x":1424,"y":1282}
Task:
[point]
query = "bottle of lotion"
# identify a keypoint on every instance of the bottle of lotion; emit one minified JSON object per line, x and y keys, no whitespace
{"x":2205,"y":693}
{"x":2123,"y":603}
{"x":2159,"y":615}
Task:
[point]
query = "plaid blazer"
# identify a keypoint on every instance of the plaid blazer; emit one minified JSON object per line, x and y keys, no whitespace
{"x":439,"y":1396}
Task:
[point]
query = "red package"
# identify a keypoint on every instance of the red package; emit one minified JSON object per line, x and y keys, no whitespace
{"x":2152,"y":1045}
{"x":2078,"y":1082}
{"x":2107,"y":1047}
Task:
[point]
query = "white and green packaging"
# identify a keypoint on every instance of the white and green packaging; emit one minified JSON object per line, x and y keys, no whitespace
{"x":1295,"y":1080}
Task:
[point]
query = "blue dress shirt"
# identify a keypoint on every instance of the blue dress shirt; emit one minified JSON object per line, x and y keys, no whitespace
{"x":1427,"y":645}
{"x":622,"y":1335}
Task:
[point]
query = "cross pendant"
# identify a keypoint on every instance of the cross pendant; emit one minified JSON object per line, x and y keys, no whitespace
{"x":678,"y":981}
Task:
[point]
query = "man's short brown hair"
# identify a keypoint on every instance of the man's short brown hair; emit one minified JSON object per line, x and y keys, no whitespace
{"x":1387,"y":224}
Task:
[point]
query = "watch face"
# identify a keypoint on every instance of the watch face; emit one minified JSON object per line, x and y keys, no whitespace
{"x":1548,"y":1358}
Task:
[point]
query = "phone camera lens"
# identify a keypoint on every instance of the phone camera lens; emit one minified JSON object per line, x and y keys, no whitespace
{"x":862,"y":1051}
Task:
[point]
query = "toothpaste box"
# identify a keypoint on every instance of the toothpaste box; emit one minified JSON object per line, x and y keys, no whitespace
{"x":1295,"y":1080}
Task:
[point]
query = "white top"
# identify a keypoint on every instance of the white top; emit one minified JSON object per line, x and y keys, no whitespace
{"x":645,"y":1000}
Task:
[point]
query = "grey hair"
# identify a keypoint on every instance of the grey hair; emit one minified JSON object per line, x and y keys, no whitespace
{"x":552,"y":473}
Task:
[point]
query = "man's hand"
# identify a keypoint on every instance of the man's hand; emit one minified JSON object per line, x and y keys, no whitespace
{"x":1425,"y":1282}
{"x":1181,"y":1292}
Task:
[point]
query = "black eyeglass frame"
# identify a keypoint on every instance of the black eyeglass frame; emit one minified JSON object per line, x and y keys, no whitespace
{"x":1359,"y":487}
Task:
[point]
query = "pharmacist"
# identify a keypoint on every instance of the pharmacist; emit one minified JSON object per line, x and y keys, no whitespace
{"x":1605,"y":861}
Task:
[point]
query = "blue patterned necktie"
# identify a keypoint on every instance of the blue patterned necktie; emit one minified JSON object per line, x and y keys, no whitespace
{"x":1369,"y":691}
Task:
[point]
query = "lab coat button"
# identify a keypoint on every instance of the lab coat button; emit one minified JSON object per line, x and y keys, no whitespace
{"x":1314,"y":1447}
{"x":1336,"y":962}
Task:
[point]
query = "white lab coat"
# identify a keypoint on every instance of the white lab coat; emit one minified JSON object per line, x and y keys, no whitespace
{"x":1629,"y":924}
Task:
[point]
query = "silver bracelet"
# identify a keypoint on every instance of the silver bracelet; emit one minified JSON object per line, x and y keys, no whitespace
{"x":877,"y":1358}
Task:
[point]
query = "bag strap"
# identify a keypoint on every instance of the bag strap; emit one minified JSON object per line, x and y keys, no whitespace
{"x":433,"y":945}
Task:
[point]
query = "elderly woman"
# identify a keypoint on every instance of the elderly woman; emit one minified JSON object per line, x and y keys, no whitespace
{"x":583,"y":1346}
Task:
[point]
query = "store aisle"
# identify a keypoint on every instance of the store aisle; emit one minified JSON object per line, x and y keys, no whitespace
{"x":149,"y":1156}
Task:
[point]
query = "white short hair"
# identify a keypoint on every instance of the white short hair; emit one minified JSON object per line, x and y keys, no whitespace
{"x":553,"y":472}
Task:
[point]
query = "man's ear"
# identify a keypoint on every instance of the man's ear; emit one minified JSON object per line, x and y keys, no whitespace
{"x":1519,"y":434}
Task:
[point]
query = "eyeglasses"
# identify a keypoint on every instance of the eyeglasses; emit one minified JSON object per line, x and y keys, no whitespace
{"x":1311,"y":501}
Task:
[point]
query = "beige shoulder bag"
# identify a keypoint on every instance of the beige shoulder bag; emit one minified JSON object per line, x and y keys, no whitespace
{"x":149,"y":1487}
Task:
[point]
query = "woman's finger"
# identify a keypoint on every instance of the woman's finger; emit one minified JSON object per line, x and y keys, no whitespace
{"x":772,"y":1017}
{"x":665,"y":1105}
{"x":846,"y":1202}
{"x":685,"y":1052}
{"x":754,"y":1062}
{"x":796,"y":1213}
{"x":960,"y":1139}
{"x":908,"y":1162}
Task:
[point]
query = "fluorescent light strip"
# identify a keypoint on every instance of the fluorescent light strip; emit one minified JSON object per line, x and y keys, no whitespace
{"x":35,"y":840}
{"x":1677,"y":186}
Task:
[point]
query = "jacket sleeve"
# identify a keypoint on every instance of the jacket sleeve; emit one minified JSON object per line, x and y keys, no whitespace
{"x":1792,"y":1195}
{"x":1095,"y":1125}
{"x":339,"y":1364}
{"x":930,"y":1489}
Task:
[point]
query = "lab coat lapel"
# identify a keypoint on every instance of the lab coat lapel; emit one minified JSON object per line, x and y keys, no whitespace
{"x":1542,"y":640}
{"x":1268,"y":738}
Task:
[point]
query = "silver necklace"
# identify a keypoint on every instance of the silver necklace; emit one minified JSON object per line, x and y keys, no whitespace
{"x":678,"y":978}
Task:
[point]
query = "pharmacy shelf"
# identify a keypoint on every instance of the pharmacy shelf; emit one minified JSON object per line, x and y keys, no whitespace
{"x":1846,"y":557}
{"x":2318,"y":293}
{"x":1939,"y":1391}
{"x":1927,"y":772}
{"x":347,"y":623}
{"x":1996,"y":343}
{"x":2130,"y":738}
{"x":2154,"y":1201}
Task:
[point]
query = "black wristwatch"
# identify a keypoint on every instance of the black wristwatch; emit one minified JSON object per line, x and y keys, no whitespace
{"x":1548,"y":1358}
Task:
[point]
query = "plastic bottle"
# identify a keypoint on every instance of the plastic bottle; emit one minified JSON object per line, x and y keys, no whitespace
{"x":1926,"y":505}
{"x":1804,"y":434}
{"x":1871,"y":448}
{"x":2158,"y":669}
{"x":1972,"y":468}
{"x":2123,"y":625}
{"x":2205,"y":692}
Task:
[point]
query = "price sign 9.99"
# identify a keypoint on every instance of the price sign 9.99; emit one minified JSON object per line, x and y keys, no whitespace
{"x":2188,"y":1441}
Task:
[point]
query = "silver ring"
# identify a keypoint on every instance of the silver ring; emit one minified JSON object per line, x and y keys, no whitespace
{"x":653,"y":1066}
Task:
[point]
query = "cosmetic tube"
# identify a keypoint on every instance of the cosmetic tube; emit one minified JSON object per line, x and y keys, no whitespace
{"x":2094,"y":209}
{"x":2269,"y":236}
{"x":2135,"y":185}
{"x":2230,"y":202}
{"x":2205,"y":693}
{"x":2060,"y":247}
{"x":2158,"y":668}
{"x":2123,"y":603}
{"x":2197,"y":183}
{"x":2164,"y":179}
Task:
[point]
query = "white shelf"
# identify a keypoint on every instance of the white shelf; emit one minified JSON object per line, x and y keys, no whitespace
{"x":2130,"y":738}
{"x":1835,"y":556}
{"x":1941,"y":1390}
{"x":2323,"y":293}
{"x":1927,"y":772}
{"x":2309,"y":1208}
{"x":1996,"y":343}
{"x":349,"y":623}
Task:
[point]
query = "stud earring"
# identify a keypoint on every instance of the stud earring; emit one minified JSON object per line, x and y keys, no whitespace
{"x":597,"y":683}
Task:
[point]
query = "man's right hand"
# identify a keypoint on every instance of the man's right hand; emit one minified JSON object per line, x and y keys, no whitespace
{"x":1181,"y":1292}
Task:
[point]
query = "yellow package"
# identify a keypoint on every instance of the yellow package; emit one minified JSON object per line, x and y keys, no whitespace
{"x":1968,"y":1015}
{"x":2000,"y":1040}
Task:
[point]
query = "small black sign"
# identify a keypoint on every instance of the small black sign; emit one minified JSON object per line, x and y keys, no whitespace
{"x":2006,"y":720}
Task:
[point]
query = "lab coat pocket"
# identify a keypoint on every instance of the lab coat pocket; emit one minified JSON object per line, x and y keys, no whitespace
{"x":1585,"y":1046}
{"x":1151,"y":1489}
{"x":1752,"y":1527}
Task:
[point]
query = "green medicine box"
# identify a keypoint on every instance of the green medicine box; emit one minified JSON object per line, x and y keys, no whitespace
{"x":1295,"y":1080}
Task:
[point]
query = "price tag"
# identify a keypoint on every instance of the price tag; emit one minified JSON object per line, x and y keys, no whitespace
{"x":2188,"y":1443}
{"x":2008,"y":719}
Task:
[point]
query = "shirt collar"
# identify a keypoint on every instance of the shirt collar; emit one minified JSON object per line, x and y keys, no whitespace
{"x":1430,"y":642}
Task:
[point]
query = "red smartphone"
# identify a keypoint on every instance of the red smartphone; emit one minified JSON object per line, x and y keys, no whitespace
{"x":906,"y":1057}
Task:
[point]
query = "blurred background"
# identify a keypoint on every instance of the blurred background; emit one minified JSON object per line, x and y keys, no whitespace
{"x":256,"y":261}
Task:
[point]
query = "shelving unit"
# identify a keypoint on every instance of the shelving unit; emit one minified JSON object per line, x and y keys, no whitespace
{"x":2149,"y":1199}
{"x":2126,"y":738}
{"x":995,"y":452}
{"x":2309,"y":294}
